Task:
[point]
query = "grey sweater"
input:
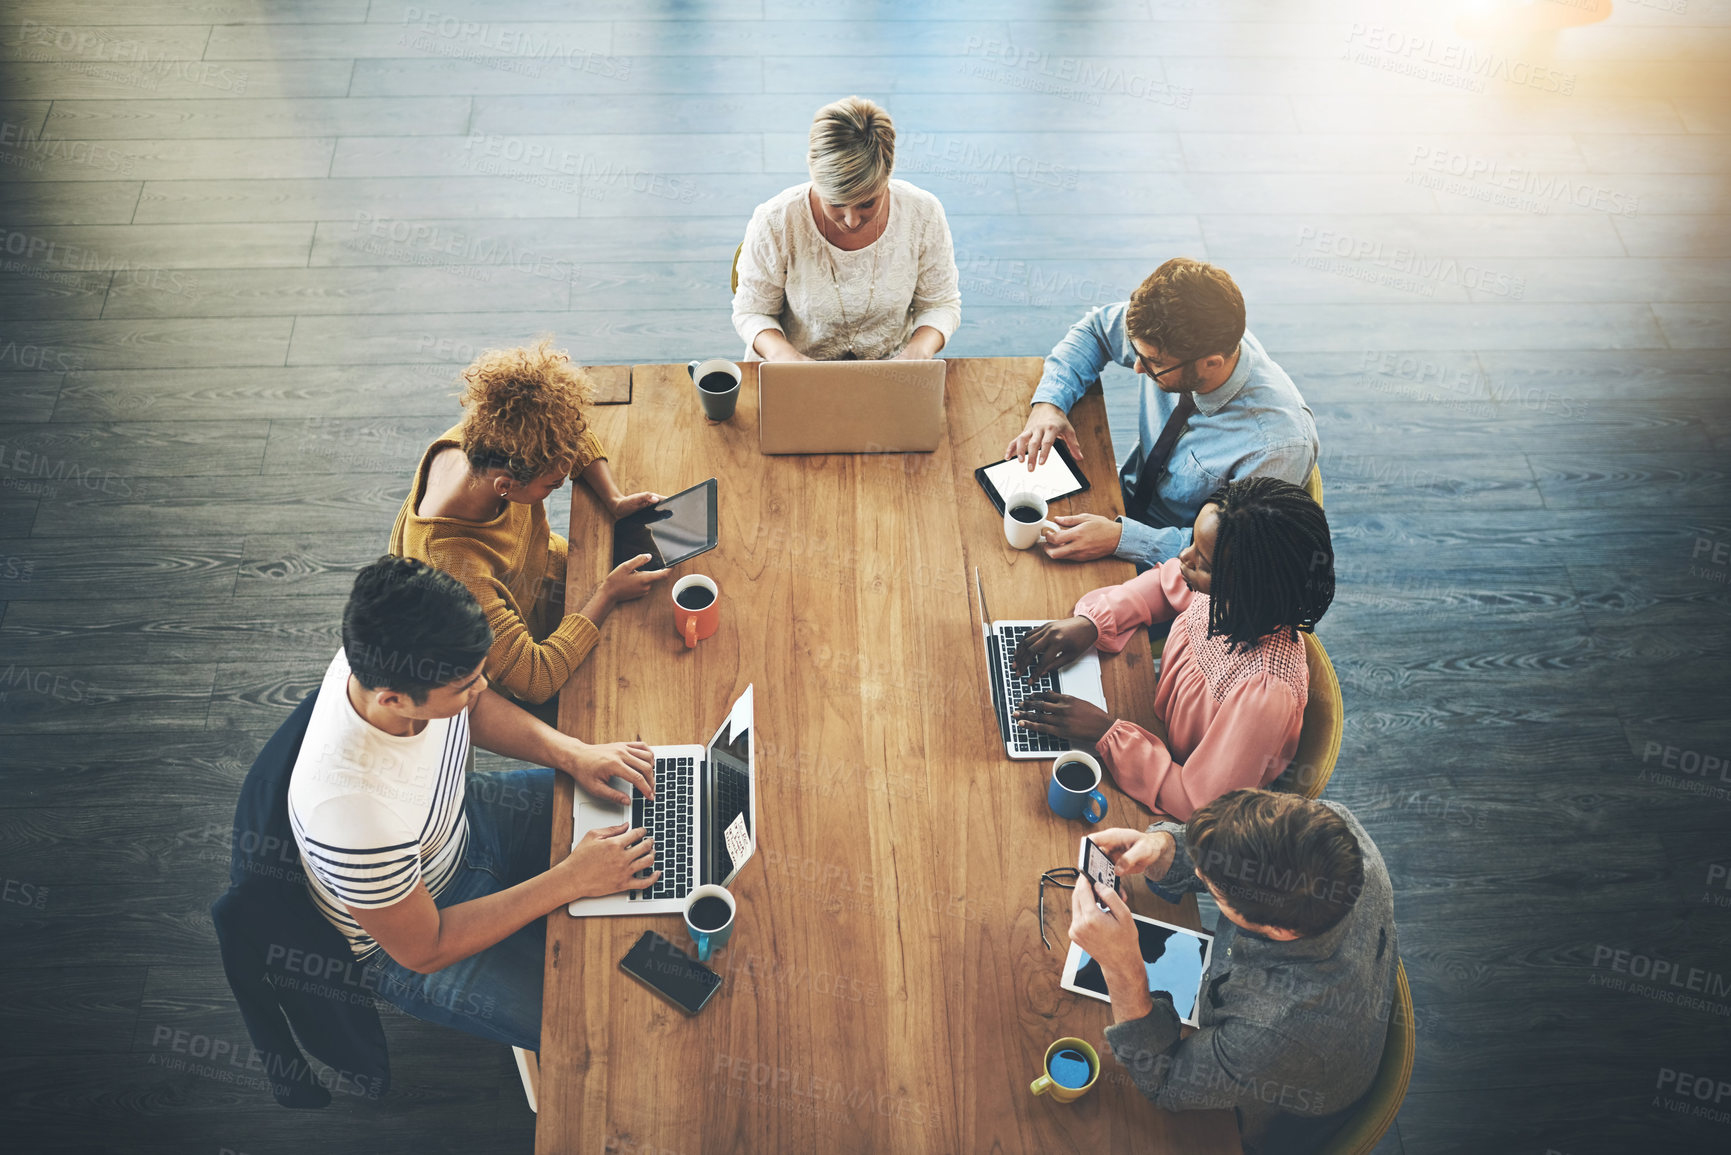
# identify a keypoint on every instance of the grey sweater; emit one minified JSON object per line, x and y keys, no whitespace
{"x":1288,"y":1029}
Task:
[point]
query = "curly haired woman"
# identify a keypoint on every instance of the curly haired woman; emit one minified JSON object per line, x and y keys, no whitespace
{"x":476,"y":511}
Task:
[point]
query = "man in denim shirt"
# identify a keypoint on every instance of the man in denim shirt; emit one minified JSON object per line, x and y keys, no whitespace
{"x":1294,"y":1006}
{"x":1214,"y":408}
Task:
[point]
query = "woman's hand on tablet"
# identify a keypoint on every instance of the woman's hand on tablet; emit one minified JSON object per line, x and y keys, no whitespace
{"x":627,"y":504}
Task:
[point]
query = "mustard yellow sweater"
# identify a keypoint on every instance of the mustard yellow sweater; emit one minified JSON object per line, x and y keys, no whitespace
{"x":515,"y":567}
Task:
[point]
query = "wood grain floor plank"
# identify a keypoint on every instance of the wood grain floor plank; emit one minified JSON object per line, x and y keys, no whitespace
{"x":29,"y":394}
{"x":94,"y":771}
{"x":161,"y":343}
{"x":550,"y":247}
{"x":100,"y":697}
{"x":98,"y":202}
{"x":18,"y":504}
{"x":100,"y":453}
{"x":37,"y":633}
{"x":201,"y":568}
{"x":38,"y":41}
{"x":55,"y":160}
{"x":278,"y":565}
{"x":254,"y":119}
{"x":121,"y":77}
{"x":348,"y":291}
{"x":40,"y":292}
{"x":518,"y":42}
{"x":177,"y":505}
{"x":141,"y":249}
{"x":392,"y":156}
{"x":588,"y":74}
{"x":259,"y":392}
{"x":95,"y":1005}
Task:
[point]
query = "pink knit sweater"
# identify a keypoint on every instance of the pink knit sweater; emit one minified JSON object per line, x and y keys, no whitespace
{"x":1227,"y":720}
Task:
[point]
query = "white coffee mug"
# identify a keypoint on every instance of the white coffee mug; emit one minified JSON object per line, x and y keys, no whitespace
{"x":1023,"y":534}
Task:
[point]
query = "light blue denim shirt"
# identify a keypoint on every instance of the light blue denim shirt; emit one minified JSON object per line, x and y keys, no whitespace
{"x":1255,"y":425}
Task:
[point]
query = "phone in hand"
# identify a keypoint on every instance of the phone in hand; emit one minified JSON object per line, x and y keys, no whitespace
{"x":1096,"y":866}
{"x":670,"y":972}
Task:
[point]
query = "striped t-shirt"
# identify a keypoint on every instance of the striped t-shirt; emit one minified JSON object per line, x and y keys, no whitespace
{"x":375,"y":814}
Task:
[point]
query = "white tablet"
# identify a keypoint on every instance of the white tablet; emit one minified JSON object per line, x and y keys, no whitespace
{"x":1058,"y":478}
{"x":1176,"y":960}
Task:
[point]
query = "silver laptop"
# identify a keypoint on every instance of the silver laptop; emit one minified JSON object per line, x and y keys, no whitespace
{"x":703,"y":818}
{"x":1080,"y":679}
{"x":850,"y":406}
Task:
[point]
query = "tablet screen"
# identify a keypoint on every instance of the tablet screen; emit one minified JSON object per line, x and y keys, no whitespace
{"x":1175,"y":959}
{"x":680,"y":527}
{"x":1055,"y":479}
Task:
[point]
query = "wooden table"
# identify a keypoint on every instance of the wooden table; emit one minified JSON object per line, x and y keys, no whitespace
{"x":886,"y":988}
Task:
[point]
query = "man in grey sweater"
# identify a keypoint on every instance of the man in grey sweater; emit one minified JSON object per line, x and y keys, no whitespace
{"x":1294,"y":1006}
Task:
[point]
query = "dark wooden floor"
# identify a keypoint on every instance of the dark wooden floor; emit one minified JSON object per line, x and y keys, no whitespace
{"x":244,"y":245}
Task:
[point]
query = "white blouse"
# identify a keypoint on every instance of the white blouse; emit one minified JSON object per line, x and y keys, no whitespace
{"x":787,"y":280}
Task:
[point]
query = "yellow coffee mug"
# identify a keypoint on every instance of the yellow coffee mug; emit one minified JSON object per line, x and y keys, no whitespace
{"x":1045,"y":1084}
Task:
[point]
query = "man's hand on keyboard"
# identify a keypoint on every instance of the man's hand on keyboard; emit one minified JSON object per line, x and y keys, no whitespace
{"x":606,"y":861}
{"x":1054,"y":645}
{"x":592,"y":766}
{"x":1065,"y":716}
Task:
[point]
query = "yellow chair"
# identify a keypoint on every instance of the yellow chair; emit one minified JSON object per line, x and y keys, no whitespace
{"x":1375,"y":1112}
{"x":1312,"y":486}
{"x":1320,"y":733}
{"x":741,"y":249}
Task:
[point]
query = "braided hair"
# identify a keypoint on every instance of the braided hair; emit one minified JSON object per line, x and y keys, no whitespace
{"x":1273,"y":561}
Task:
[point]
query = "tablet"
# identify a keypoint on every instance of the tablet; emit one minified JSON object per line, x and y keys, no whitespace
{"x":1059,"y":477}
{"x":1176,"y":960}
{"x":680,"y":527}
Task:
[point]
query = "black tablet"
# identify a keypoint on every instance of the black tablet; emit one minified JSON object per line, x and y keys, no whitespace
{"x":1059,"y":477}
{"x":671,"y":531}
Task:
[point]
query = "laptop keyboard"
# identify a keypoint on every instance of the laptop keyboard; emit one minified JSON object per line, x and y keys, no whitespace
{"x":1017,"y":686}
{"x":669,"y":820}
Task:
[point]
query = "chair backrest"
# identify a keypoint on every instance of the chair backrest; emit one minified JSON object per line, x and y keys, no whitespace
{"x":1320,"y":734}
{"x":1376,"y":1109}
{"x":741,"y":249}
{"x":1312,"y":483}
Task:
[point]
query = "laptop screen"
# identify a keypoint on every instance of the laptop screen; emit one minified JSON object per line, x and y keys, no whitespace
{"x":727,"y":797}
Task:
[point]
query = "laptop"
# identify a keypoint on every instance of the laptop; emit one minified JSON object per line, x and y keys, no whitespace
{"x":850,"y":406}
{"x":1080,"y":679}
{"x":703,"y":818}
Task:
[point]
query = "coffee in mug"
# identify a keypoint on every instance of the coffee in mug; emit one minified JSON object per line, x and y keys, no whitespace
{"x":717,"y":382}
{"x":1071,"y":1068}
{"x":1025,"y":519}
{"x":1077,"y":775}
{"x":696,"y":608}
{"x":709,"y":912}
{"x":694,"y":597}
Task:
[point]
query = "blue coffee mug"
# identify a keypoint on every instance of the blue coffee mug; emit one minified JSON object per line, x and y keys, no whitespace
{"x":1087,"y":803}
{"x":707,"y":938}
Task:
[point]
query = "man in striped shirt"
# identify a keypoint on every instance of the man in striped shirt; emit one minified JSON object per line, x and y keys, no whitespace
{"x":437,"y":875}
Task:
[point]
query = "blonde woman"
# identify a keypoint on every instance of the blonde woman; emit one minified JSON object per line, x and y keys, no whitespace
{"x":851,"y":264}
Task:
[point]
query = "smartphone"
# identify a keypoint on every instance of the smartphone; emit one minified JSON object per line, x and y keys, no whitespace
{"x":1097,"y":866}
{"x":670,"y":972}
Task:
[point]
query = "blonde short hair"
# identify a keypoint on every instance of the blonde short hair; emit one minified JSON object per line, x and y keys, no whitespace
{"x":853,"y":150}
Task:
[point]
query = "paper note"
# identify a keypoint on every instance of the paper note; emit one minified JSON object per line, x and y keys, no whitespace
{"x":738,"y":841}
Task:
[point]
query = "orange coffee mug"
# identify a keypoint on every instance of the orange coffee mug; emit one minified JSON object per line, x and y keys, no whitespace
{"x":696,"y":608}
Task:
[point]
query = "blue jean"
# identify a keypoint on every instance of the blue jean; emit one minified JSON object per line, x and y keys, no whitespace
{"x":495,"y":994}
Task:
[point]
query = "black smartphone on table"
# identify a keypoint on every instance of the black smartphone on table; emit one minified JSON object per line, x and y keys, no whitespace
{"x":670,"y":972}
